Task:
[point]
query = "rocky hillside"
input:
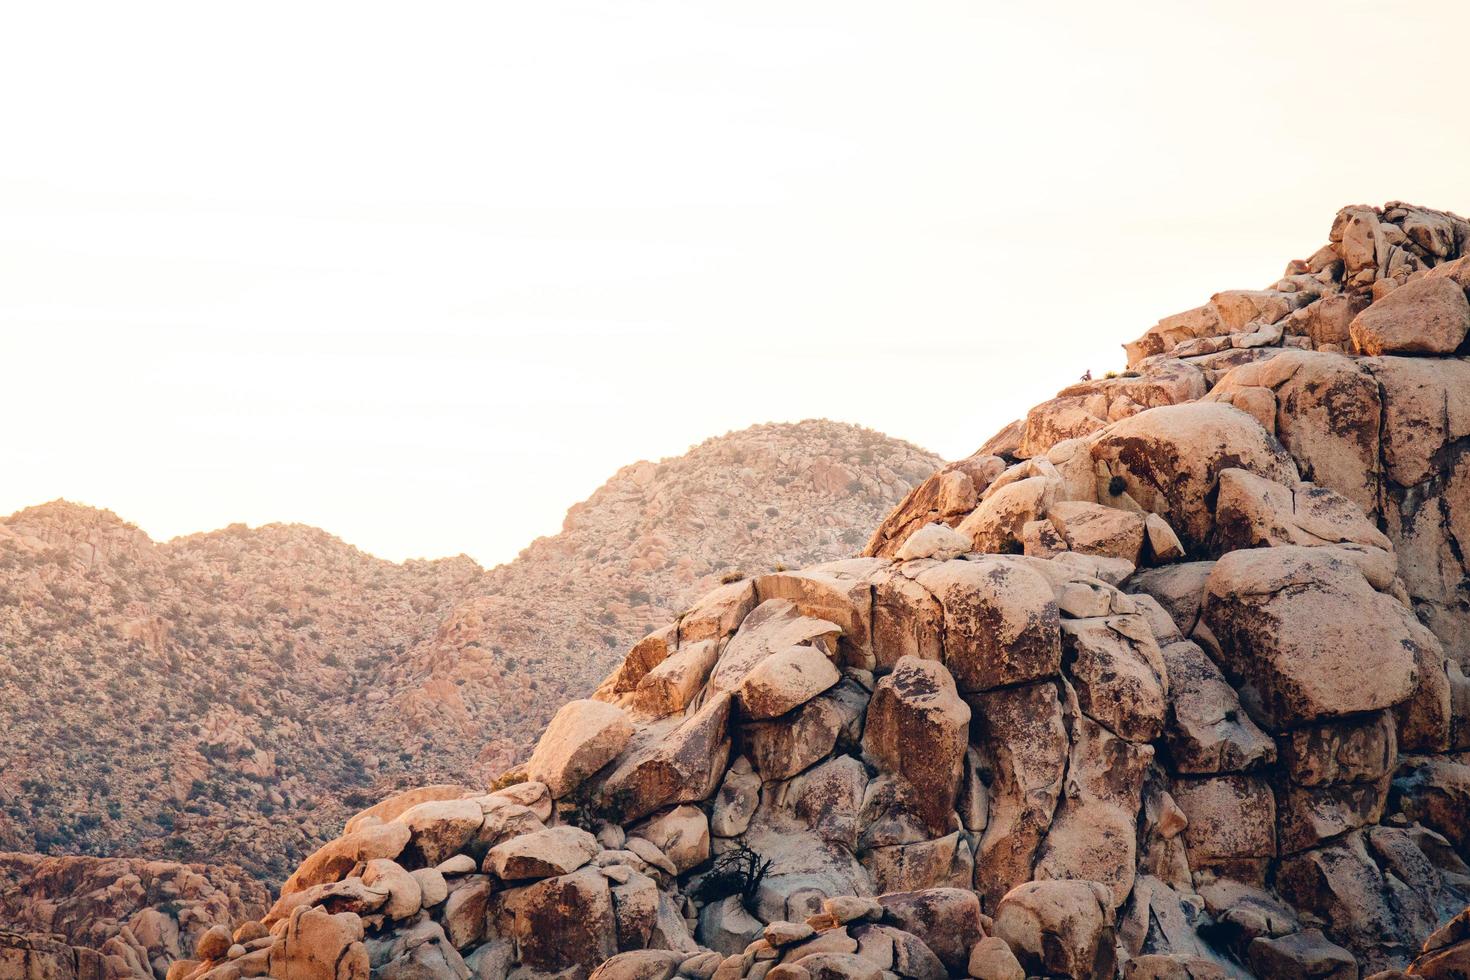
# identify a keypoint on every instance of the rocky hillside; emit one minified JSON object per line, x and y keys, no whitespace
{"x":233,"y":696}
{"x":1168,"y":681}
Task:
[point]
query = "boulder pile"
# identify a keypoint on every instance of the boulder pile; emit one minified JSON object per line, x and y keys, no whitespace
{"x":1167,"y":681}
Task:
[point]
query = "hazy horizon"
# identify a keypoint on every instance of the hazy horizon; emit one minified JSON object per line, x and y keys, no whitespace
{"x":425,"y":283}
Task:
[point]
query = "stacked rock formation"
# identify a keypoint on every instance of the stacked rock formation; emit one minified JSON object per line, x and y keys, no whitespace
{"x":1166,"y":681}
{"x":112,"y":917}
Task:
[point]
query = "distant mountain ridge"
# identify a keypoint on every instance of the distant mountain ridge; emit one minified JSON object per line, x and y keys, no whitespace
{"x":233,"y":695}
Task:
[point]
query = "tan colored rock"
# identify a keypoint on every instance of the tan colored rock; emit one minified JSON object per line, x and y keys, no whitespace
{"x":992,"y":959}
{"x":317,"y":946}
{"x":996,"y":524}
{"x":543,"y":854}
{"x":1118,"y":672}
{"x":1092,"y":529}
{"x":463,"y":916}
{"x":405,"y":894}
{"x":918,"y":727}
{"x":440,"y":828}
{"x":1169,"y":458}
{"x":1307,"y":636}
{"x":774,"y":625}
{"x":433,"y":889}
{"x":559,"y":923}
{"x":583,"y":737}
{"x":333,"y":860}
{"x":682,"y":834}
{"x":1428,"y":316}
{"x":669,"y":687}
{"x":947,"y":920}
{"x":937,"y":541}
{"x":1232,"y":823}
{"x":678,"y":764}
{"x":1254,"y":513}
{"x":1001,"y":624}
{"x":785,"y":680}
{"x":1162,"y":543}
{"x":215,"y":942}
{"x":836,"y":592}
{"x":389,"y":810}
{"x":1058,"y":928}
{"x":1207,"y":730}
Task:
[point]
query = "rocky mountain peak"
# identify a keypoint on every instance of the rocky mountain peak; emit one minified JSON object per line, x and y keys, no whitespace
{"x":1168,"y":680}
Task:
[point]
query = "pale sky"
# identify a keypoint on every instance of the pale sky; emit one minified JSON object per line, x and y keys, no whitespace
{"x":426,"y":274}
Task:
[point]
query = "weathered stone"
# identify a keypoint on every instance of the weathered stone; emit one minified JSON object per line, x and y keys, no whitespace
{"x":334,"y":859}
{"x":992,"y":959}
{"x":1001,"y":624}
{"x":681,"y":763}
{"x":937,"y":541}
{"x":670,"y":686}
{"x":1021,"y":738}
{"x":583,"y":737}
{"x":439,"y":829}
{"x":639,"y":964}
{"x":782,"y":747}
{"x":786,"y":680}
{"x":1092,"y":529}
{"x":947,"y":920}
{"x":1232,"y":823}
{"x":837,"y":592}
{"x":774,"y":625}
{"x":917,"y":727}
{"x":1117,"y":670}
{"x":995,"y":525}
{"x":1207,"y":730}
{"x":1427,"y":316}
{"x":317,"y":946}
{"x":1169,"y":459}
{"x":736,"y":802}
{"x":1304,"y":954}
{"x":681,"y":833}
{"x":405,"y":895}
{"x":543,"y":854}
{"x":1306,"y":637}
{"x":389,"y":809}
{"x":1058,"y":928}
{"x":559,"y":923}
{"x":463,"y":916}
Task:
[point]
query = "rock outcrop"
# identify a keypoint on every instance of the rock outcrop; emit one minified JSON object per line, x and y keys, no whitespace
{"x":1191,"y":702}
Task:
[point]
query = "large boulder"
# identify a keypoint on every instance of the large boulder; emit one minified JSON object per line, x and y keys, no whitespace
{"x":1059,"y":929}
{"x":785,"y":680}
{"x":1168,"y":459}
{"x":1304,"y":636}
{"x":316,"y":945}
{"x":947,"y":920}
{"x":1427,"y":316}
{"x":583,"y":737}
{"x":559,"y":923}
{"x":918,"y":727}
{"x":1001,"y":624}
{"x":679,"y":761}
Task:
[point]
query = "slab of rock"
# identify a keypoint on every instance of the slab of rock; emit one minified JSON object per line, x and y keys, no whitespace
{"x":559,"y":923}
{"x":1232,"y":823}
{"x":317,"y":946}
{"x":786,"y":680}
{"x":1021,"y":737}
{"x":389,"y":809}
{"x":774,"y":625}
{"x":1001,"y":624}
{"x":669,"y":687}
{"x":678,"y":765}
{"x":1427,"y":316}
{"x":1306,"y":637}
{"x":583,"y":737}
{"x":918,"y":727}
{"x":996,"y":525}
{"x":1303,"y":954}
{"x":1092,"y":529}
{"x":681,"y":833}
{"x":543,"y":854}
{"x":439,"y":829}
{"x":335,"y":859}
{"x":947,"y":920}
{"x":1207,"y":730}
{"x":1117,"y":670}
{"x":836,"y":592}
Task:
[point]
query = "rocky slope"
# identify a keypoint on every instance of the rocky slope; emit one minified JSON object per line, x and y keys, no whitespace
{"x":1168,"y":681}
{"x":233,"y":696}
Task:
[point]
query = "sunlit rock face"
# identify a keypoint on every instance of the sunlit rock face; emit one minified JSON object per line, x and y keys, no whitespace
{"x":1166,"y":681}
